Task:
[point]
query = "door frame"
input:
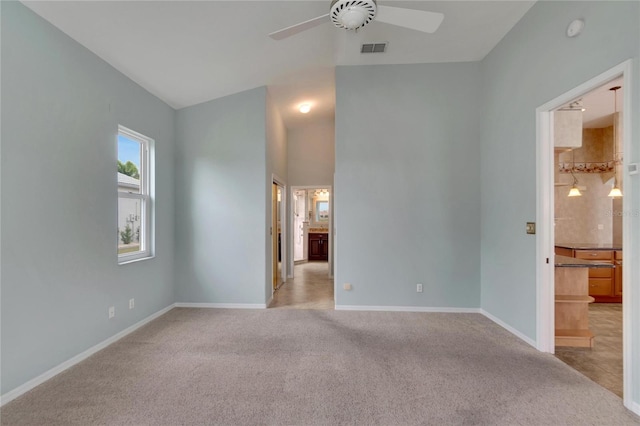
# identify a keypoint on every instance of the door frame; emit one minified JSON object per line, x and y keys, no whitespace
{"x":290,"y":260}
{"x":545,"y":331}
{"x":276,"y":180}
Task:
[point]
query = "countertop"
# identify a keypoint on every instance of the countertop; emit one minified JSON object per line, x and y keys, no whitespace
{"x":572,"y":262}
{"x":318,"y":230}
{"x":589,"y":246}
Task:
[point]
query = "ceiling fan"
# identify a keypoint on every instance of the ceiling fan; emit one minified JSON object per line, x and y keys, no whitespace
{"x":355,"y":14}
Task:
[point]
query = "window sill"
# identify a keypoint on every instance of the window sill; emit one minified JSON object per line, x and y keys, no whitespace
{"x":139,"y":259}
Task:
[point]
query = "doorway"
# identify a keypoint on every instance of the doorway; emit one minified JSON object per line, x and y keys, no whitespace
{"x":546,"y":242}
{"x":588,"y":226}
{"x":311,"y":222}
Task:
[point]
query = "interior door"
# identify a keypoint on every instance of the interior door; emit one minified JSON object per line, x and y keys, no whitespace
{"x":274,"y":234}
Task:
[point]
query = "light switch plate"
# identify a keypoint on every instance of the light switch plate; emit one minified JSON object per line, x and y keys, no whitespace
{"x":531,"y":227}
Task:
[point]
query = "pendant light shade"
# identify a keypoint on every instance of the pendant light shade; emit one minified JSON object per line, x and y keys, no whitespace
{"x":615,"y":192}
{"x":574,"y":192}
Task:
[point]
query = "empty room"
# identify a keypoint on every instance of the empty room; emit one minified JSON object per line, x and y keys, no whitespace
{"x":317,"y":212}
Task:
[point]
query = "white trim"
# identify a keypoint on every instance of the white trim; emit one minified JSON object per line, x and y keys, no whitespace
{"x":146,"y":195}
{"x":629,"y":291}
{"x":26,"y":387}
{"x":222,"y":305}
{"x":545,"y":271}
{"x":507,"y":327}
{"x":406,"y":309}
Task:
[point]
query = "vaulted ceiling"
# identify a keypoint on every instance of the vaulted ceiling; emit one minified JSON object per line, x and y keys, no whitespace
{"x":188,"y":52}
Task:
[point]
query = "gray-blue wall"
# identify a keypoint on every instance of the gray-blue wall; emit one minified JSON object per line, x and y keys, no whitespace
{"x":407,"y":193}
{"x":61,"y":106}
{"x":532,"y":65}
{"x":220,"y":200}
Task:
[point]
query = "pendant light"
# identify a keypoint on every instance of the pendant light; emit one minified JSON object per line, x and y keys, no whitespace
{"x":574,"y":191}
{"x":615,"y":191}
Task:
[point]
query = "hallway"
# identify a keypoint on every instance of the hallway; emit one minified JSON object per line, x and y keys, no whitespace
{"x":310,"y":289}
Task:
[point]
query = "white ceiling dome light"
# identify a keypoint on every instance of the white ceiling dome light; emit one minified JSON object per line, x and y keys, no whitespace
{"x":304,"y":108}
{"x":352,"y":14}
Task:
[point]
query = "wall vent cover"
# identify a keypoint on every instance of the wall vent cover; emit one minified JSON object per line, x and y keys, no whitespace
{"x":374,"y":47}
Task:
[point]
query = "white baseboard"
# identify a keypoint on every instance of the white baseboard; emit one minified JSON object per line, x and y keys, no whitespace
{"x":222,"y":305}
{"x":406,"y":309}
{"x":634,"y":407}
{"x":26,"y":387}
{"x":509,"y":328}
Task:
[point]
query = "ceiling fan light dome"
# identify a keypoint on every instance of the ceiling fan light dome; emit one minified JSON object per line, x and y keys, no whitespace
{"x":352,"y":14}
{"x":353,"y":18}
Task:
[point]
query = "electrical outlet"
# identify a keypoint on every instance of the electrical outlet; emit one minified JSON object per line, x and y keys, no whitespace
{"x":600,"y":226}
{"x":132,"y":303}
{"x":347,"y":286}
{"x":112,"y":312}
{"x":419,"y":288}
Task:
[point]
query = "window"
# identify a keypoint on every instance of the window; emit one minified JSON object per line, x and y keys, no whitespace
{"x":134,"y":199}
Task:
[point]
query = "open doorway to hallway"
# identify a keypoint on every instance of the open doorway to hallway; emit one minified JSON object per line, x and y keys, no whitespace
{"x":312,"y":288}
{"x":311,"y":221}
{"x":310,"y":283}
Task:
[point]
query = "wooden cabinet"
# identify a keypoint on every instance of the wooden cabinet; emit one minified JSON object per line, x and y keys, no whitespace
{"x":572,"y":307}
{"x":617,"y":280}
{"x":605,"y":284}
{"x":601,"y":281}
{"x":318,"y":246}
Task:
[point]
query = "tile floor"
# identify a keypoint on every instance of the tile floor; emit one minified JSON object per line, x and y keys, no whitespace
{"x":310,"y":289}
{"x":603,"y":362}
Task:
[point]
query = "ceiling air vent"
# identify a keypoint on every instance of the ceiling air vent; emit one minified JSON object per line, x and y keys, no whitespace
{"x":373,"y":48}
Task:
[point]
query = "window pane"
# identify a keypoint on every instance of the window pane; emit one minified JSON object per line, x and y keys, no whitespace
{"x":129,"y":225}
{"x":129,"y":161}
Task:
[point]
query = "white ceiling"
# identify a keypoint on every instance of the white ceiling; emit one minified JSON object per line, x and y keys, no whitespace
{"x":188,"y":52}
{"x":599,"y":105}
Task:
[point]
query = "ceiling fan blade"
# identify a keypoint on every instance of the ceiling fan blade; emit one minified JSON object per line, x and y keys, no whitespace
{"x":298,"y":28}
{"x":420,"y":20}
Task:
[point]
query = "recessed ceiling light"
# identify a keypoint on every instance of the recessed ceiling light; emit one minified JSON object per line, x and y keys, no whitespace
{"x":305,"y":108}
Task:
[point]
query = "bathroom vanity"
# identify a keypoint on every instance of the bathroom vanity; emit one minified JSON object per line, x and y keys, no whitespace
{"x":318,"y":244}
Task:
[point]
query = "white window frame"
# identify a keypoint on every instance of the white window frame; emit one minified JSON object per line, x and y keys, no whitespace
{"x":145,"y":197}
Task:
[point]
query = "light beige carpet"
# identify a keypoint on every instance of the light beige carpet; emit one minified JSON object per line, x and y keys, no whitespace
{"x":291,"y":367}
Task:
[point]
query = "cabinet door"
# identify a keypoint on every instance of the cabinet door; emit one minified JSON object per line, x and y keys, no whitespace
{"x":325,"y":246}
{"x":600,"y":287}
{"x":617,"y":280}
{"x":314,"y":247}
